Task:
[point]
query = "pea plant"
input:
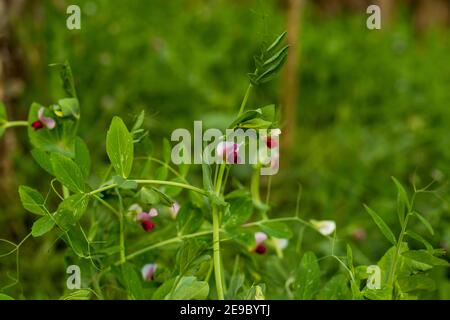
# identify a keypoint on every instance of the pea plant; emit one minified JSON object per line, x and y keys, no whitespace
{"x":143,"y":230}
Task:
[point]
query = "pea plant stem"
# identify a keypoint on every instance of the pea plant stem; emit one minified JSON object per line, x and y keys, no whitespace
{"x":167,"y":242}
{"x":398,"y":247}
{"x":244,"y":101}
{"x":11,"y":124}
{"x":122,"y":229}
{"x":156,"y":182}
{"x":216,"y":236}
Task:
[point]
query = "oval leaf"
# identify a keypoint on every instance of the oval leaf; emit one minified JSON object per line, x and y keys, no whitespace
{"x":120,"y":148}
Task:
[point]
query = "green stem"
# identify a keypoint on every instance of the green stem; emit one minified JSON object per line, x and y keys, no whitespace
{"x":244,"y":101}
{"x":157,"y":182}
{"x":216,"y":253}
{"x":254,"y":189}
{"x":391,"y":278}
{"x":122,"y":229}
{"x":216,"y":236}
{"x":167,"y":242}
{"x":11,"y":124}
{"x":66,"y":192}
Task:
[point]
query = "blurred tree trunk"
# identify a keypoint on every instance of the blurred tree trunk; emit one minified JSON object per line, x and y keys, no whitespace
{"x":11,"y":86}
{"x":290,"y":78}
{"x":387,"y":12}
{"x":431,"y":13}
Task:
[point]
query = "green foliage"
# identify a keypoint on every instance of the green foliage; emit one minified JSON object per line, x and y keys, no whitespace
{"x":32,"y":200}
{"x":67,"y":172}
{"x":307,"y":283}
{"x":120,"y":148}
{"x":382,"y":225}
{"x":364,"y":115}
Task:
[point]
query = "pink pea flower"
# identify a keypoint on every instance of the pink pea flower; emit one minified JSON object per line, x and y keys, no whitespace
{"x":43,"y":122}
{"x":229,"y":151}
{"x":145,"y":218}
{"x":174,"y":210}
{"x":148,"y":271}
{"x":272,"y":139}
{"x":260,"y":237}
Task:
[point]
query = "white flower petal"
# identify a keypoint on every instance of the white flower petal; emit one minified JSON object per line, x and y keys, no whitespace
{"x":325,"y":227}
{"x":148,"y":271}
{"x":260,"y":237}
{"x":281,"y":243}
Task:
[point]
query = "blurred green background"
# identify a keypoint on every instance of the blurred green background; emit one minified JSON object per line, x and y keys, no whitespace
{"x":369,"y":104}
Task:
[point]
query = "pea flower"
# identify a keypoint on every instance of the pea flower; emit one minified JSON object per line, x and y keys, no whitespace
{"x":145,"y":218}
{"x":260,"y":237}
{"x":148,"y":271}
{"x":43,"y":122}
{"x":281,"y":244}
{"x":174,"y":210}
{"x":325,"y":227}
{"x":229,"y":151}
{"x":272,"y":139}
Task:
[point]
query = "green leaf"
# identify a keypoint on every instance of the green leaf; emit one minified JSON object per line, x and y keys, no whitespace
{"x":207,"y":182}
{"x":162,"y":173}
{"x":245,"y":116}
{"x":276,"y":229}
{"x":67,"y":172}
{"x":423,"y":256}
{"x":419,"y":238}
{"x":139,"y":121}
{"x":307,"y":284}
{"x":82,"y":294}
{"x":132,"y":282}
{"x":71,"y":210}
{"x":82,"y":157}
{"x":65,"y":73}
{"x":68,"y":107}
{"x":163,"y":197}
{"x":43,"y":160}
{"x":32,"y":200}
{"x":335,"y":289}
{"x":189,"y":219}
{"x":424,"y":222}
{"x":268,"y":112}
{"x":384,"y":293}
{"x":256,"y":123}
{"x":189,"y":288}
{"x":381,"y":225}
{"x":240,"y":211}
{"x":120,"y":148}
{"x":271,"y":72}
{"x":277,"y":41}
{"x":349,"y":257}
{"x":402,"y":201}
{"x":147,"y":196}
{"x":42,"y":226}
{"x":277,"y":56}
{"x":124,"y":183}
{"x":416,"y":282}
{"x":190,"y":255}
{"x":75,"y":238}
{"x":5,"y":297}
{"x":164,"y":290}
